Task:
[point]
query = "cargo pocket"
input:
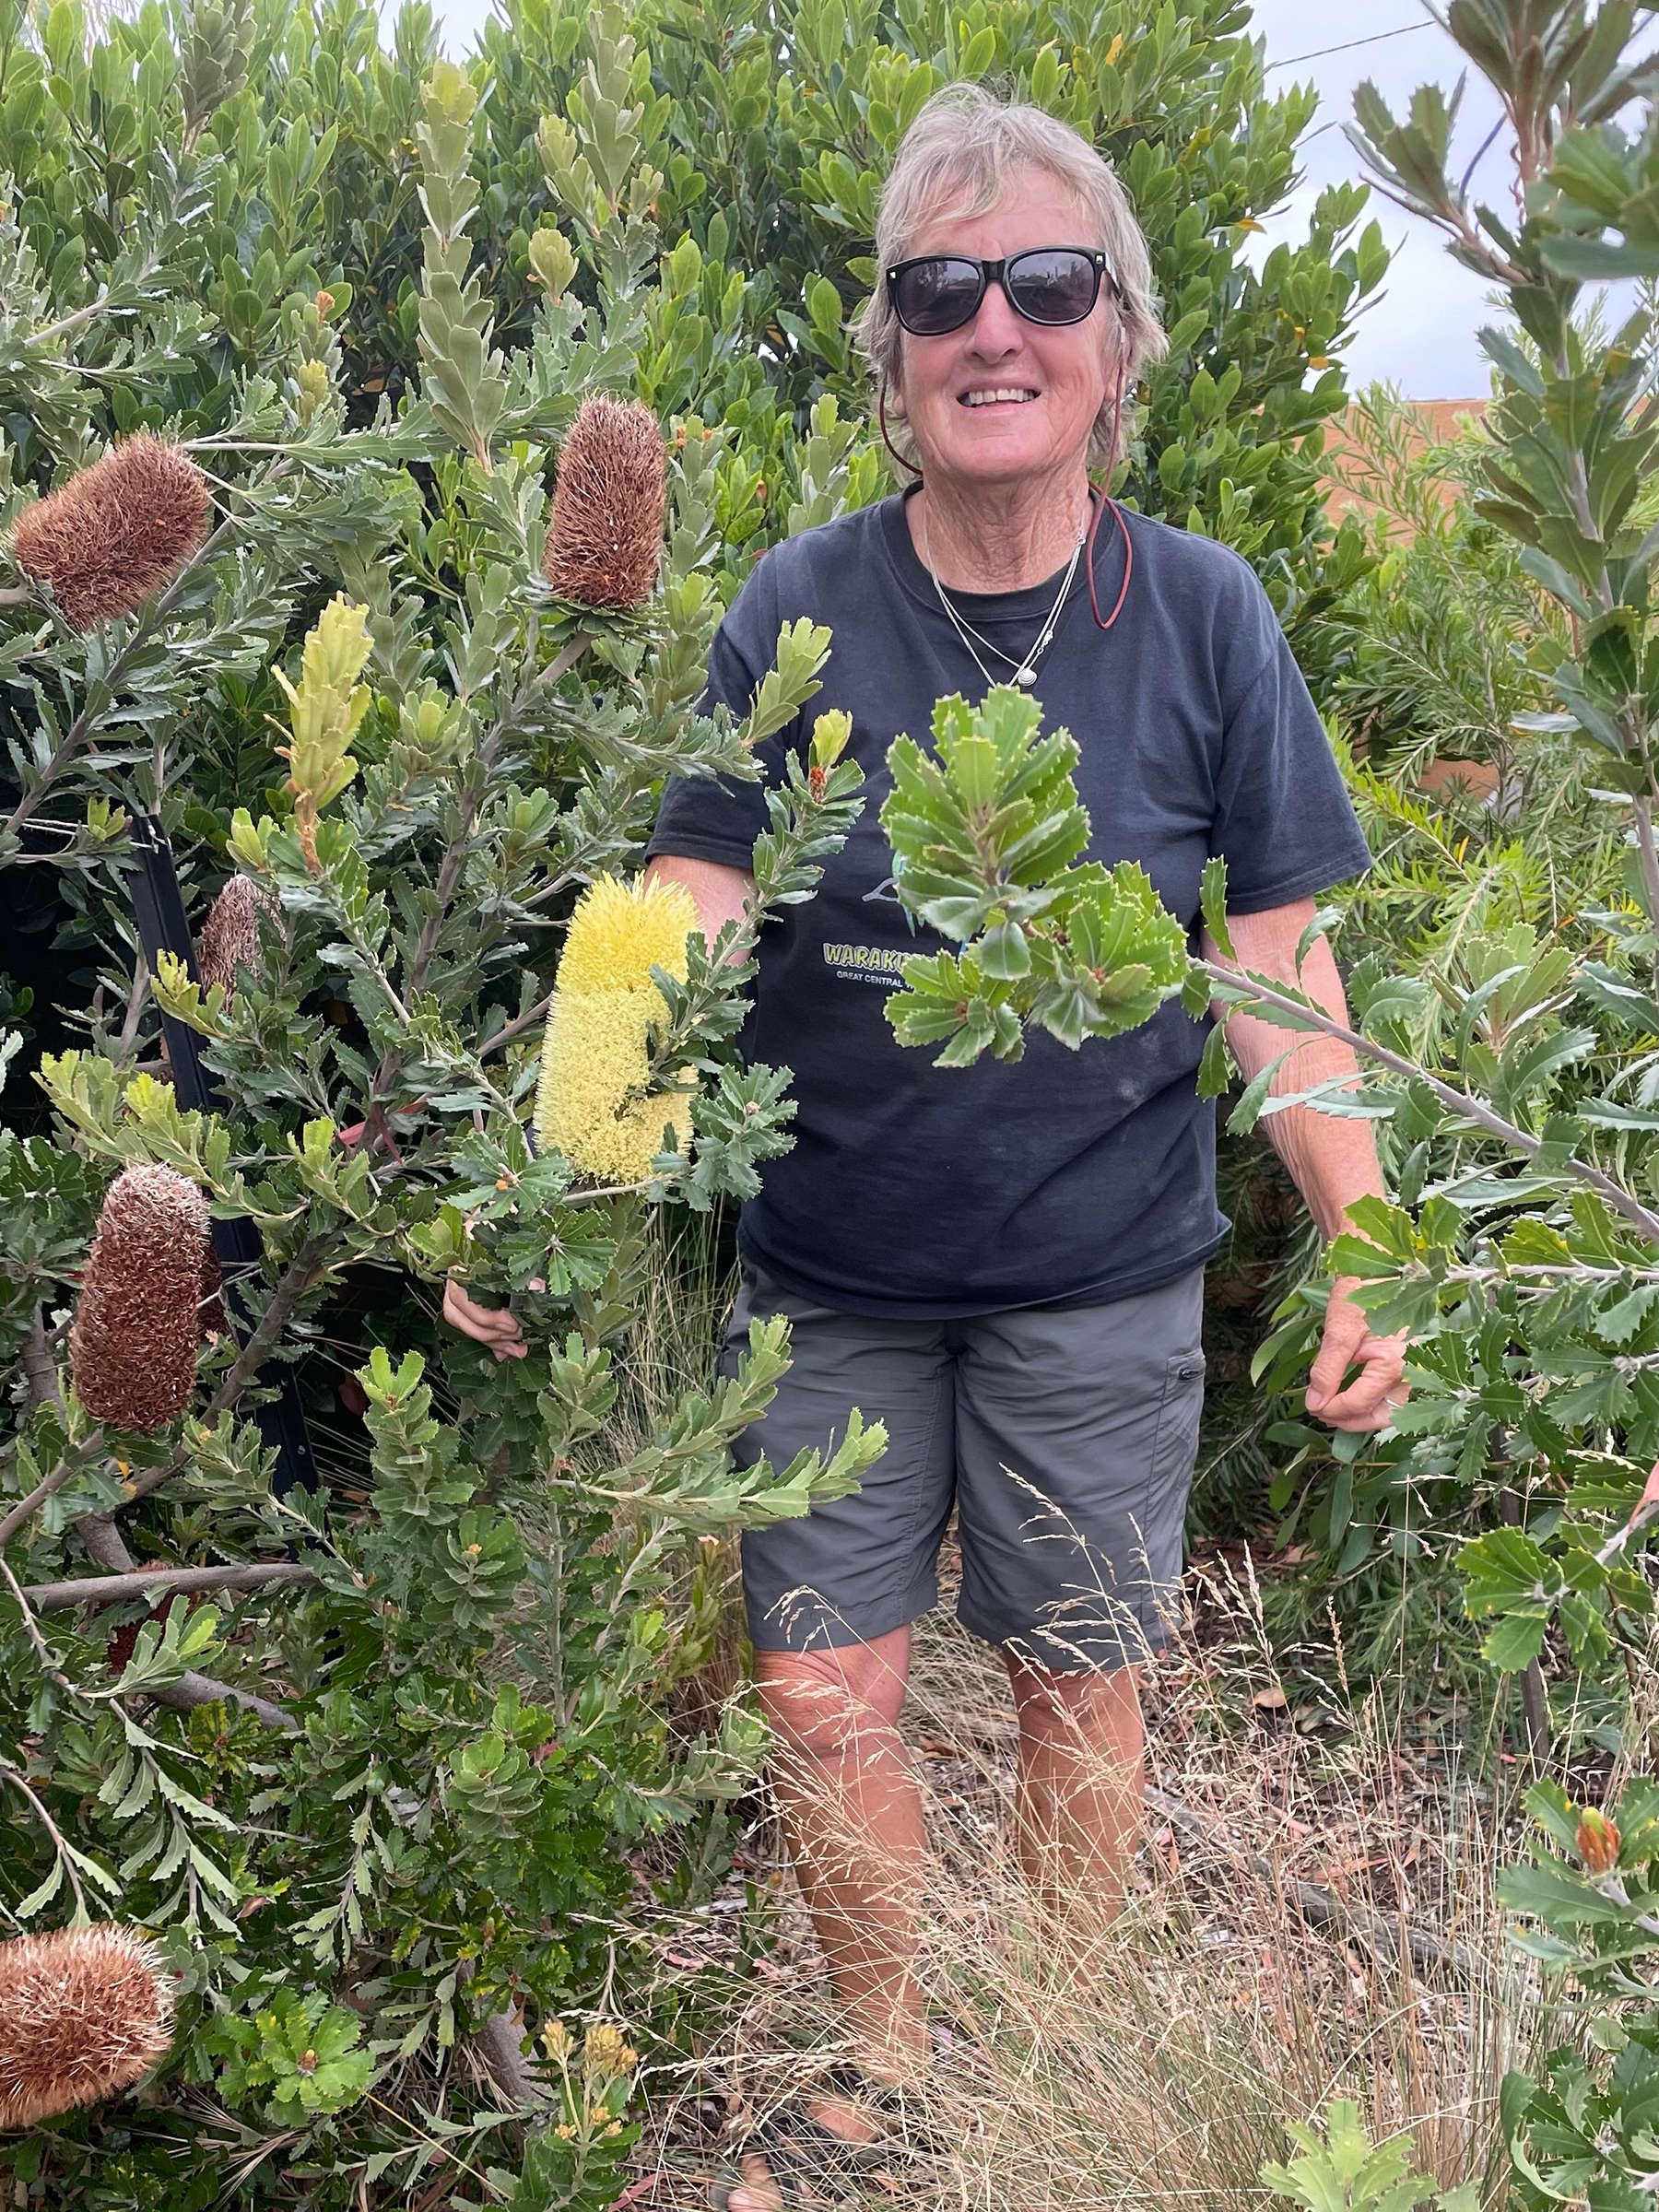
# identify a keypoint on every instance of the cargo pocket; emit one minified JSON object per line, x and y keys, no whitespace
{"x":1169,"y":1478}
{"x":1175,"y":1443}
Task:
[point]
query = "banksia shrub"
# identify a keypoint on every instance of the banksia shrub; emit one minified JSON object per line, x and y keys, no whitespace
{"x":595,"y":1047}
{"x":230,"y":937}
{"x":133,"y":1347}
{"x":608,"y":499}
{"x":110,"y":538}
{"x":83,"y":2012}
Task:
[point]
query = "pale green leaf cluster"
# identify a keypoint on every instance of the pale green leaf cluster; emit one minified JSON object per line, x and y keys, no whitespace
{"x":983,"y":830}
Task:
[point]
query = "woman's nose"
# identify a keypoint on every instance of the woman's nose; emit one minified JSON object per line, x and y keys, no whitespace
{"x":997,"y":327}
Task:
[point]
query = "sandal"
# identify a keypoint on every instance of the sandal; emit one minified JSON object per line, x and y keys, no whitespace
{"x":798,"y":2148}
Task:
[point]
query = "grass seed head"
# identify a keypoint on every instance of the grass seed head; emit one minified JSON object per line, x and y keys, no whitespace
{"x":230,"y":937}
{"x":133,"y":1347}
{"x":84,"y":2012}
{"x":115,"y":535}
{"x":608,"y":501}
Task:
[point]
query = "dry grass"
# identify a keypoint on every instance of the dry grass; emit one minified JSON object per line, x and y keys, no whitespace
{"x":1153,"y":2063}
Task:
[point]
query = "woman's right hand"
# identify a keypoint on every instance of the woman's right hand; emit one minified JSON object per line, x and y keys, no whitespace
{"x":494,"y":1326}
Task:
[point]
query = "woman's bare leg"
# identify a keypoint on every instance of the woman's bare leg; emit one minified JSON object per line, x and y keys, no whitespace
{"x":853,"y":1819}
{"x":1082,"y":1774}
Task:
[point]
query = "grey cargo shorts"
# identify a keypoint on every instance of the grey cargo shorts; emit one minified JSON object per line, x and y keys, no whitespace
{"x":1064,"y":1439}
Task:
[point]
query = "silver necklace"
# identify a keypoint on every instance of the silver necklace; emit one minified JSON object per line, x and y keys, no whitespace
{"x":1024,"y":667}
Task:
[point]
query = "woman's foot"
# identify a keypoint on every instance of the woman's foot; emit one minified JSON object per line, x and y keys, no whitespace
{"x":847,"y":2116}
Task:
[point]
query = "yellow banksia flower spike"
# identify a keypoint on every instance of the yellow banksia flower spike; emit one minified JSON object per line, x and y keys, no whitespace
{"x":596,"y":1048}
{"x":323,"y":713}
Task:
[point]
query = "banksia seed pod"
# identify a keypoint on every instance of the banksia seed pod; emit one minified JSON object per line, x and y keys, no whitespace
{"x":110,"y":538}
{"x":83,"y":2012}
{"x":133,"y":1347}
{"x":609,"y":500}
{"x":230,"y":937}
{"x":596,"y":1045}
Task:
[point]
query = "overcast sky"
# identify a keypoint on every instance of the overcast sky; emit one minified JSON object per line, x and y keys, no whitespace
{"x":1420,"y":333}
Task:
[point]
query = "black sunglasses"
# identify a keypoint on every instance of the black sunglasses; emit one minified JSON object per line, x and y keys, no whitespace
{"x":938,"y":292}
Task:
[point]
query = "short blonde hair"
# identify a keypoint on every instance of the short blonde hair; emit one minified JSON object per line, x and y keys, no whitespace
{"x":959,"y":158}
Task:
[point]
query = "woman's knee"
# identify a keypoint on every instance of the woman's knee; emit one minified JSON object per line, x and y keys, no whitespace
{"x":1090,"y":1705}
{"x":819,"y":1703}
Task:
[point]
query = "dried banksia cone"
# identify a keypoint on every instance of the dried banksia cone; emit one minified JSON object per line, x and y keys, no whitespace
{"x":608,"y":499}
{"x":230,"y":937}
{"x":83,"y":2012}
{"x":597,"y":1046}
{"x":110,"y":538}
{"x":133,"y":1347}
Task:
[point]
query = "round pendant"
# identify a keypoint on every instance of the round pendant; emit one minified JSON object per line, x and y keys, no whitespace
{"x":1025,"y":677}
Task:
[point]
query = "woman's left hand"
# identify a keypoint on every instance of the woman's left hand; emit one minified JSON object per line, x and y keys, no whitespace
{"x":1369,"y":1400}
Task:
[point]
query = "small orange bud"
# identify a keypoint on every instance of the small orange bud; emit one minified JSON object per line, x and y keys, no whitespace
{"x":1597,"y":1841}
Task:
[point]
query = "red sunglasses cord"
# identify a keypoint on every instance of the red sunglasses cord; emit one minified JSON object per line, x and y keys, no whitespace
{"x":1101,"y":504}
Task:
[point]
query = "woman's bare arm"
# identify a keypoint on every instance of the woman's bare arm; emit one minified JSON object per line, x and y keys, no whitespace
{"x":1333,"y":1160}
{"x":719,"y":893}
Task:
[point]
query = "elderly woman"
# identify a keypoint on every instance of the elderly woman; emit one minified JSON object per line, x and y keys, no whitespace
{"x":1004,"y":1263}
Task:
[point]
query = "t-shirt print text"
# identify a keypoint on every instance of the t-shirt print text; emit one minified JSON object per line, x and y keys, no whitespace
{"x":882,"y":964}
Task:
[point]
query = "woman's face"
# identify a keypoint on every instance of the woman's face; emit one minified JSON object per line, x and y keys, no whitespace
{"x":1062,"y":374}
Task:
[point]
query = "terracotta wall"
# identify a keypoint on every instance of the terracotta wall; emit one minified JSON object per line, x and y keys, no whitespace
{"x":1439,"y":418}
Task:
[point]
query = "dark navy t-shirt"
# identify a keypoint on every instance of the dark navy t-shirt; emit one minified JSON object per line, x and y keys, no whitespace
{"x":1070,"y":1177}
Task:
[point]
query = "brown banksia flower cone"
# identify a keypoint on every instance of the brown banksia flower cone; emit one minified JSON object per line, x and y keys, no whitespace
{"x":110,"y":538}
{"x":84,"y":2012}
{"x":230,"y":937}
{"x":133,"y":1345}
{"x":608,"y":499}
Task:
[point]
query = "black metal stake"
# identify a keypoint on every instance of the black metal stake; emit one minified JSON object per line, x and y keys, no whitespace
{"x":163,"y":926}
